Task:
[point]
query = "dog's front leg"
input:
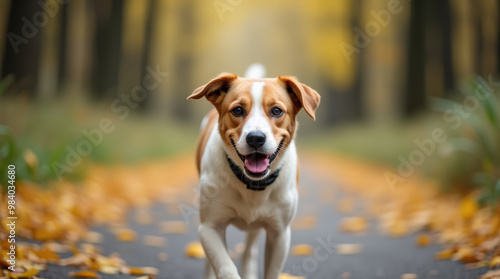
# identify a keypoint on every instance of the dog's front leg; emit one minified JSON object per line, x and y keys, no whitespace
{"x":213,"y":240}
{"x":277,"y":246}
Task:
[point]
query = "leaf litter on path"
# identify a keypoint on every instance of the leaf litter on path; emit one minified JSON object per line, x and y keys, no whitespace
{"x":467,"y":232}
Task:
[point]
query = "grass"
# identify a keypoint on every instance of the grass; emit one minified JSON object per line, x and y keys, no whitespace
{"x":36,"y":135}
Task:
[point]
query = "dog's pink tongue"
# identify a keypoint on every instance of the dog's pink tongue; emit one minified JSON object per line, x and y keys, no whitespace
{"x":257,"y":164}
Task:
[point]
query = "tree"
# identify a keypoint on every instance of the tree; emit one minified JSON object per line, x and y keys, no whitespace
{"x":414,"y":99}
{"x":107,"y":47}
{"x":23,"y":45}
{"x":62,"y":68}
{"x":146,"y":51}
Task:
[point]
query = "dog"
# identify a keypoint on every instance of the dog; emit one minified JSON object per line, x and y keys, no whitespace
{"x":248,"y":167}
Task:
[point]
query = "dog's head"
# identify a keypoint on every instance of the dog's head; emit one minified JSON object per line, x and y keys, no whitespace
{"x":257,"y":117}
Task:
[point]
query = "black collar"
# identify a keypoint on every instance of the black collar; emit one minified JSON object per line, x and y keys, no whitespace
{"x":254,"y":185}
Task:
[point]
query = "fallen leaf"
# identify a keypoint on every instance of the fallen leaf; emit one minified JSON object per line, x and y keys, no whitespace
{"x":26,"y":274}
{"x":398,"y":228}
{"x":468,"y":207}
{"x":476,"y":265}
{"x":46,"y":254}
{"x":93,"y":237}
{"x":349,"y":249}
{"x":135,"y":271}
{"x":195,"y":250}
{"x":353,"y":225}
{"x":76,"y":260}
{"x":495,"y":261}
{"x":289,"y":276}
{"x":109,"y":269}
{"x":304,"y":222}
{"x":302,"y":250}
{"x":155,"y":241}
{"x":423,"y":240}
{"x":126,"y":235}
{"x":173,"y":227}
{"x":444,"y":255}
{"x":492,"y":274}
{"x":83,"y":274}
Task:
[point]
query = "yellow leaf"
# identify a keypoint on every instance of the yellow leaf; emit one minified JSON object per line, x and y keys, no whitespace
{"x":31,"y":159}
{"x":136,"y":271}
{"x":27,"y":274}
{"x":444,"y":255}
{"x":495,"y":261}
{"x":84,"y":274}
{"x":423,"y":240}
{"x":399,"y":228}
{"x":126,"y":235}
{"x":468,"y":207}
{"x":289,"y":276}
{"x":46,"y":254}
{"x":195,"y":250}
{"x":353,"y":225}
{"x":302,"y":250}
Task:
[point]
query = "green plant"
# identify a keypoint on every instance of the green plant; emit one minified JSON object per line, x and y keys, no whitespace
{"x":480,"y":136}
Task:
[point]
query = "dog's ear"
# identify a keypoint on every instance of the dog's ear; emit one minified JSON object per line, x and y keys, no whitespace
{"x":302,"y":95}
{"x":214,"y":89}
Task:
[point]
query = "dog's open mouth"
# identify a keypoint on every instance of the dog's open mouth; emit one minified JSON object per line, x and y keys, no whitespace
{"x":256,"y":164}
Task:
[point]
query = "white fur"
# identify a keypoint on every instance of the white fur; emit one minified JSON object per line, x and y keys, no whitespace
{"x":256,"y":70}
{"x":204,"y":122}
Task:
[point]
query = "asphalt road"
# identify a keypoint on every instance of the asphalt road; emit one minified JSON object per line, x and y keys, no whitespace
{"x":382,"y":257}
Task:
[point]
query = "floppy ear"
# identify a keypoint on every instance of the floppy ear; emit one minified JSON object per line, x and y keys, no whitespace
{"x":214,"y":89}
{"x":302,"y":95}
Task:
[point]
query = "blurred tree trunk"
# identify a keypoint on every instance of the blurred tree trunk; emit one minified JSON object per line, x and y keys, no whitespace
{"x":183,"y":59}
{"x":498,"y":40}
{"x":445,"y":20}
{"x":479,"y":39}
{"x":23,"y":46}
{"x":357,"y":90}
{"x":107,"y":47}
{"x":146,"y":51}
{"x":414,"y":99}
{"x":62,"y":69}
{"x":346,"y":104}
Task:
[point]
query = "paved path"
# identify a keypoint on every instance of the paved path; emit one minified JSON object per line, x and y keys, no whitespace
{"x":382,"y":257}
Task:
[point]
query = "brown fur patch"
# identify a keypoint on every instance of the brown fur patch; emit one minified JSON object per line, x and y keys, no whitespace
{"x":205,"y":134}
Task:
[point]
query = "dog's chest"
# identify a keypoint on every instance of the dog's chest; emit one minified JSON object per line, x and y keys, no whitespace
{"x":274,"y":211}
{"x":251,"y":216}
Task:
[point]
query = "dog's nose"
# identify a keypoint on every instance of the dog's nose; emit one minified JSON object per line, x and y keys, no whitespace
{"x":256,"y":139}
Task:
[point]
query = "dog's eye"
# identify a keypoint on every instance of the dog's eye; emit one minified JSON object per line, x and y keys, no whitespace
{"x":238,"y":111}
{"x":276,"y":112}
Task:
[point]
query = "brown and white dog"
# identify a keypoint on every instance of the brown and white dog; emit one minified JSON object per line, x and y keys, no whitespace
{"x":248,"y":167}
